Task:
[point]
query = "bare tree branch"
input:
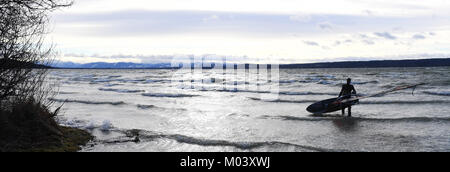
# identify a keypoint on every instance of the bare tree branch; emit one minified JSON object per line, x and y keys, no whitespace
{"x":22,"y":32}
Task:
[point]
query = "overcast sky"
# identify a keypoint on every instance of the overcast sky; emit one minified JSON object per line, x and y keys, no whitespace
{"x":275,"y":31}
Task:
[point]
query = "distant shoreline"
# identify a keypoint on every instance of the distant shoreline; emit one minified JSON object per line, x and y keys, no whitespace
{"x":374,"y":64}
{"x":438,"y":62}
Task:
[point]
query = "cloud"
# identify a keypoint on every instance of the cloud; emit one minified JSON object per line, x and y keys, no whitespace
{"x":385,"y":7}
{"x":325,"y":25}
{"x":418,"y":36}
{"x":147,"y":22}
{"x":336,"y":43}
{"x":363,"y":36}
{"x":153,"y":59}
{"x":311,"y":43}
{"x":147,"y":30}
{"x":325,"y":47}
{"x":342,"y":42}
{"x":300,"y":18}
{"x":386,"y":35}
{"x":390,"y":57}
{"x":211,"y":18}
{"x":368,"y":12}
{"x":82,"y":58}
{"x":368,"y":42}
{"x":144,"y":23}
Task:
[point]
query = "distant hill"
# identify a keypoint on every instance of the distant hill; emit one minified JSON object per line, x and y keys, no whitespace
{"x":373,"y":64}
{"x":346,"y":64}
{"x":103,"y":65}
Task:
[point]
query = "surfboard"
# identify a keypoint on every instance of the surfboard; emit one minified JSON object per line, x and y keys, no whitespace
{"x":336,"y":104}
{"x":330,"y":105}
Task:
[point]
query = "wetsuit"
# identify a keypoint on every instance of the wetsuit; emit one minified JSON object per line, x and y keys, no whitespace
{"x":346,"y":92}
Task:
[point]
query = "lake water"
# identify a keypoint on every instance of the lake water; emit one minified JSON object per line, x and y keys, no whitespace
{"x":150,"y":110}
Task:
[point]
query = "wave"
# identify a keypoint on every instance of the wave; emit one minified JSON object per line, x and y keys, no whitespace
{"x":87,"y":102}
{"x":324,"y":82}
{"x":393,"y":85}
{"x":238,"y":115}
{"x":114,"y":76}
{"x":443,"y":93}
{"x":237,"y":83}
{"x":168,"y":95}
{"x":105,"y":126}
{"x":101,"y":81}
{"x":63,"y":92}
{"x":366,"y":82}
{"x":306,"y":93}
{"x":241,"y":91}
{"x":283,"y":101}
{"x":240,"y":145}
{"x":145,"y":107}
{"x":108,"y":80}
{"x":320,"y":77}
{"x":404,"y":102}
{"x":268,"y":92}
{"x":82,"y":78}
{"x":112,"y":85}
{"x":148,"y":81}
{"x":361,"y":102}
{"x":158,"y":76}
{"x":121,"y":90}
{"x":288,"y":81}
{"x":145,"y":136}
{"x":337,"y":117}
{"x":132,"y":80}
{"x":136,"y":135}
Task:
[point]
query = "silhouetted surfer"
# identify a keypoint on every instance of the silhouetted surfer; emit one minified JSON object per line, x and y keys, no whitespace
{"x":346,"y":92}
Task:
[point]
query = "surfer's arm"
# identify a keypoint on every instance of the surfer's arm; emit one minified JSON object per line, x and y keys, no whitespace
{"x":353,"y":90}
{"x":342,"y":91}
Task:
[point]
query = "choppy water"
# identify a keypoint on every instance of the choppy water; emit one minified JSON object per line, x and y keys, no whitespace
{"x":118,"y":106}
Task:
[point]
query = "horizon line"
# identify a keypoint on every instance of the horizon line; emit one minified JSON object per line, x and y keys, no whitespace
{"x":429,"y":62}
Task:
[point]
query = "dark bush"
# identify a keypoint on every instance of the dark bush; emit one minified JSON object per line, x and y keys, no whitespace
{"x":30,"y":126}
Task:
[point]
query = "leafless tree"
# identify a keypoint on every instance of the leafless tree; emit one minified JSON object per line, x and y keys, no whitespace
{"x":22,"y":49}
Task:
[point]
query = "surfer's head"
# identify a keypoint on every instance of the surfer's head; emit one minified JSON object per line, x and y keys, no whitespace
{"x":349,"y":80}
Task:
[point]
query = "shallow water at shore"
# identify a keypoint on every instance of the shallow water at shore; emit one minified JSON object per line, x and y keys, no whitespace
{"x":118,"y":106}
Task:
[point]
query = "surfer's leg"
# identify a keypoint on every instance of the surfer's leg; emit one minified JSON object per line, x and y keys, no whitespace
{"x":343,"y":111}
{"x":349,"y":111}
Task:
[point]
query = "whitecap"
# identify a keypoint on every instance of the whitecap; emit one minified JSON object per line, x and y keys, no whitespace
{"x":167,"y":95}
{"x":121,"y":90}
{"x":87,"y":102}
{"x":106,"y":125}
{"x":442,"y":93}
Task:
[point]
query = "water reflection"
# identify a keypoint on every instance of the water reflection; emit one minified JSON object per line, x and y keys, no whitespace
{"x":347,"y":124}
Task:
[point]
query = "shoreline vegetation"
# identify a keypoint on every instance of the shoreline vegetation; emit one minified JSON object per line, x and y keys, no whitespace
{"x":31,"y":127}
{"x":26,"y":122}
